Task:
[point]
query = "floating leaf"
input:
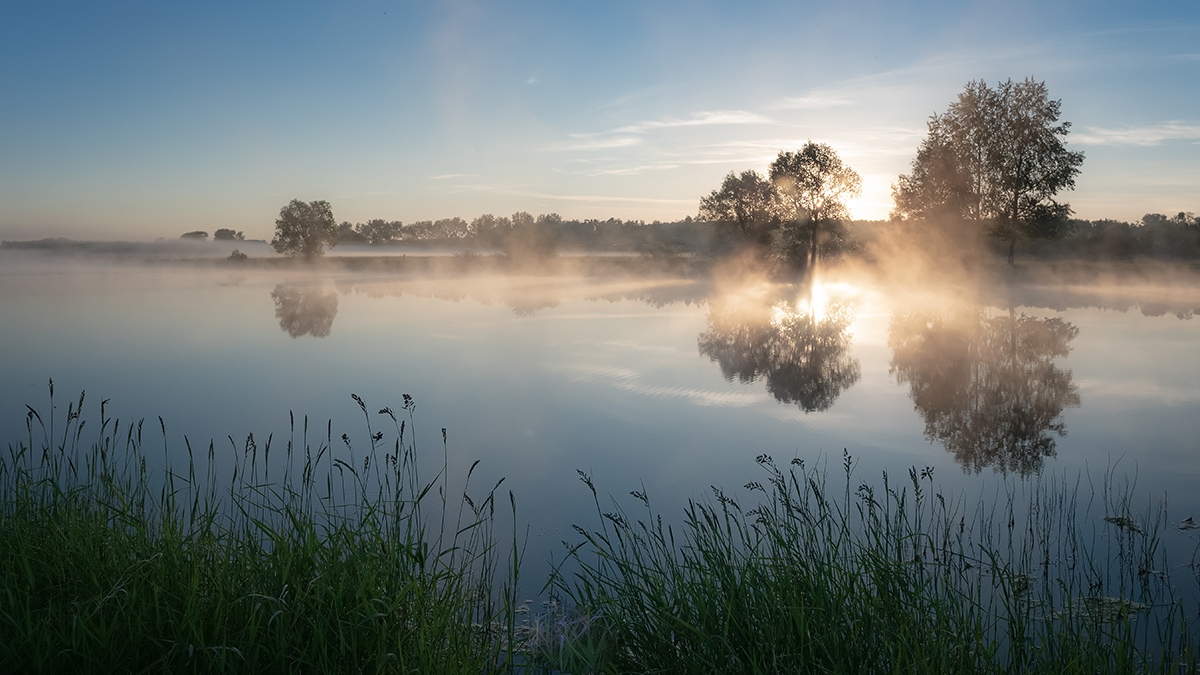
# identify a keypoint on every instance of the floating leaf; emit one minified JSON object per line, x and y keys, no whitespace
{"x":1123,"y":523}
{"x":1111,"y":609}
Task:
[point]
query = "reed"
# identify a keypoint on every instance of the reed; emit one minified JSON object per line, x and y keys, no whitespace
{"x":325,"y":562}
{"x":845,"y":578}
{"x":314,"y":555}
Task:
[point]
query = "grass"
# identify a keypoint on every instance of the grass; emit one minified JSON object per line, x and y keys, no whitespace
{"x":328,"y":566}
{"x":318,"y":556}
{"x":836,"y":579}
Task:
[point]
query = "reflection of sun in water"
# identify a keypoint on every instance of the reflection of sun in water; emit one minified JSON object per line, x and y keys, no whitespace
{"x":817,"y":301}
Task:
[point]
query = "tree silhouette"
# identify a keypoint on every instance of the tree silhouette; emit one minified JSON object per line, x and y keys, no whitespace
{"x":303,"y":310}
{"x":304,"y":229}
{"x":987,"y":387}
{"x":742,"y":209}
{"x":805,"y":360}
{"x":811,"y":186}
{"x":996,"y":157}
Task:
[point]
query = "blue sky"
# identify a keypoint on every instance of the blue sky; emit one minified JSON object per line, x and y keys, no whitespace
{"x":145,"y":119}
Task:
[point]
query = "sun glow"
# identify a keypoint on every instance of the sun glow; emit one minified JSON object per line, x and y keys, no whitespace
{"x":818,"y":299}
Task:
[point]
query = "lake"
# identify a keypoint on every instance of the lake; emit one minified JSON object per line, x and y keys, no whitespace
{"x":667,"y":385}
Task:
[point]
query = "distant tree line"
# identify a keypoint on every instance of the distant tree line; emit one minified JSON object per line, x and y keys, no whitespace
{"x":1156,"y":236}
{"x":525,"y":235}
{"x":222,"y":234}
{"x":542,"y":234}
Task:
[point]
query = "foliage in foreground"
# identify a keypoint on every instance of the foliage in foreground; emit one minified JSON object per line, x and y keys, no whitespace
{"x":814,"y":579}
{"x":317,"y":563}
{"x":324,"y":567}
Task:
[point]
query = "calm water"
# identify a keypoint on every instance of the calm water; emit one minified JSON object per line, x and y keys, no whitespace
{"x":667,"y":384}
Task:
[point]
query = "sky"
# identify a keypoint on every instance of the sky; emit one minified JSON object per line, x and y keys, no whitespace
{"x":137,"y":120}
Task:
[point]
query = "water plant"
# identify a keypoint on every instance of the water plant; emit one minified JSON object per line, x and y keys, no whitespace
{"x":323,"y":556}
{"x":322,"y":562}
{"x":809,"y":577}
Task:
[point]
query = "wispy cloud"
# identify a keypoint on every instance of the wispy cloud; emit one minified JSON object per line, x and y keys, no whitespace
{"x":599,"y":198}
{"x":703,"y":118}
{"x":629,"y":170}
{"x":444,"y":176}
{"x":1144,"y":136}
{"x":590,"y":142}
{"x":811,"y":102}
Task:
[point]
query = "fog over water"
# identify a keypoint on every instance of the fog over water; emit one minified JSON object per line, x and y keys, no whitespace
{"x":674,"y":384}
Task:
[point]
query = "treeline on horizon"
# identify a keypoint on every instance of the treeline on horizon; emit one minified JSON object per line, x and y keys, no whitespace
{"x":1156,"y":235}
{"x":549,"y":230}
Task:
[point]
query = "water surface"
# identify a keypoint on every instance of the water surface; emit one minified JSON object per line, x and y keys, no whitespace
{"x":670,"y":385}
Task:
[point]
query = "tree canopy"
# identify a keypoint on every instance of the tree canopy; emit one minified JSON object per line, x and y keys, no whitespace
{"x":811,"y":187}
{"x":305,"y":228}
{"x":799,"y":211}
{"x":743,"y":207}
{"x":996,"y":157}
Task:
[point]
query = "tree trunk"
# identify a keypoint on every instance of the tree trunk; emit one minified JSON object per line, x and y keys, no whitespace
{"x":1012,"y":230}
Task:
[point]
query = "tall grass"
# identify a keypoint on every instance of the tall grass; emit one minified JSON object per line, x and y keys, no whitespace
{"x":821,"y":578}
{"x":324,"y":562}
{"x":314,"y":555}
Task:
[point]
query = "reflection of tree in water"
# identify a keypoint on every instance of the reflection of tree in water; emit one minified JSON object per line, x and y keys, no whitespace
{"x":988,"y":388}
{"x":804,"y":361}
{"x":304,"y":311}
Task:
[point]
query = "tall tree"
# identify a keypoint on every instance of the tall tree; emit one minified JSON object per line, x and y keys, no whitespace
{"x":812,"y":185}
{"x":996,"y":158}
{"x":304,"y":229}
{"x":742,"y":208}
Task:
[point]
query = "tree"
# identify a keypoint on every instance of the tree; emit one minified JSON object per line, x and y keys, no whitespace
{"x":996,"y":158}
{"x":304,"y":229}
{"x":811,"y":186}
{"x":347,"y":234}
{"x":226,"y":234}
{"x":198,"y":235}
{"x":532,"y":240}
{"x":489,"y":230}
{"x":378,"y":231}
{"x":742,"y":208}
